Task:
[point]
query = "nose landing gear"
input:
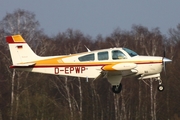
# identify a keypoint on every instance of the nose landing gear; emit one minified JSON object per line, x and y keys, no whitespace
{"x":160,"y":86}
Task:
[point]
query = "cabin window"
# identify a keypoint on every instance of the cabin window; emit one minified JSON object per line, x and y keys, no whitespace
{"x":116,"y":55}
{"x":103,"y":55}
{"x":89,"y":57}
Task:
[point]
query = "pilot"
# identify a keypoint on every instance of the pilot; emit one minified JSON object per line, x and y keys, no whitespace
{"x":118,"y":55}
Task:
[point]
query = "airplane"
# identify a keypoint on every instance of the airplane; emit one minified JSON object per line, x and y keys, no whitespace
{"x":113,"y":63}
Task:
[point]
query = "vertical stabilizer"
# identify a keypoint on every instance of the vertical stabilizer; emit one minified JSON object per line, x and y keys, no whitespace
{"x":20,"y":50}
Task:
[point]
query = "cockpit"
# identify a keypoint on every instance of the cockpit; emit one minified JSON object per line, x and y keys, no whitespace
{"x":108,"y":54}
{"x":117,"y":54}
{"x":130,"y":52}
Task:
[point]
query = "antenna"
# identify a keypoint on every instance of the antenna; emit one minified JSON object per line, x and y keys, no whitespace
{"x":87,"y":48}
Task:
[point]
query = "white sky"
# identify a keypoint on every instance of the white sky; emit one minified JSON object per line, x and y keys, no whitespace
{"x":93,"y":17}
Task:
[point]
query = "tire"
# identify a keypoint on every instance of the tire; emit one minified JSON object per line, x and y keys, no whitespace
{"x":161,"y":88}
{"x":117,"y":89}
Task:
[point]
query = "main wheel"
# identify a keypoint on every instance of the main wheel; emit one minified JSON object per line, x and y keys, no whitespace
{"x":160,"y":88}
{"x":117,"y":88}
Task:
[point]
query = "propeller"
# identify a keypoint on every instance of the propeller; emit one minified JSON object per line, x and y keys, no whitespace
{"x":164,"y":60}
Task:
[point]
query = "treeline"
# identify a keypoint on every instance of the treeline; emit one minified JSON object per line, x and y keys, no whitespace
{"x":35,"y":96}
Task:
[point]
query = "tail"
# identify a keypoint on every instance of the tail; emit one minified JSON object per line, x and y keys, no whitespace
{"x":20,"y":51}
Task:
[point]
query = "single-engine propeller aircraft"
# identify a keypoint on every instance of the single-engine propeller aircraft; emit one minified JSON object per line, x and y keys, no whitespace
{"x":113,"y":63}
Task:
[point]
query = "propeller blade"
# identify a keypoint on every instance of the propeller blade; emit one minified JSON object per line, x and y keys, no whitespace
{"x":164,"y":63}
{"x":164,"y":60}
{"x":164,"y":53}
{"x":164,"y":66}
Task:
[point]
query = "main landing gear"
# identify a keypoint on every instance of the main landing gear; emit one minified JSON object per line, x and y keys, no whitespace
{"x":160,"y":86}
{"x":117,"y":88}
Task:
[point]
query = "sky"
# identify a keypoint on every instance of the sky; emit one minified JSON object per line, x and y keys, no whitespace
{"x":94,"y":17}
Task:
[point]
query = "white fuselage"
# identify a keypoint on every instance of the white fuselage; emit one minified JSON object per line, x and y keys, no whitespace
{"x":144,"y":65}
{"x":113,"y":63}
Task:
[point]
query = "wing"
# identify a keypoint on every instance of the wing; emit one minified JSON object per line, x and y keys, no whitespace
{"x":119,"y":67}
{"x":115,"y":72}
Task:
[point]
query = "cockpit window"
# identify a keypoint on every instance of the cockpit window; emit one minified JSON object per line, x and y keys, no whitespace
{"x":103,"y":55}
{"x":116,"y":55}
{"x":89,"y":57}
{"x":130,"y":52}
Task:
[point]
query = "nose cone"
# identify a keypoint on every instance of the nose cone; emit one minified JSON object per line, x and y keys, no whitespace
{"x":166,"y":60}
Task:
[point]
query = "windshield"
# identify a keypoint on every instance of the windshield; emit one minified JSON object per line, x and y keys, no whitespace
{"x":130,"y":52}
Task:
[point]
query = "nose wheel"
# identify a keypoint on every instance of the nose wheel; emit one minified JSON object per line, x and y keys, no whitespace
{"x":160,"y":86}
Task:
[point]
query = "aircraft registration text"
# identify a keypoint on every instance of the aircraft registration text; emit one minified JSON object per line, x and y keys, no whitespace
{"x":69,"y":70}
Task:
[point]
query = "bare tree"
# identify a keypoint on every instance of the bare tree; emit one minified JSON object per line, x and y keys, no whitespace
{"x":69,"y":98}
{"x":24,"y":23}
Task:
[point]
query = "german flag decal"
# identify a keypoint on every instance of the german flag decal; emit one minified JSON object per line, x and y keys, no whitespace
{"x":19,"y":46}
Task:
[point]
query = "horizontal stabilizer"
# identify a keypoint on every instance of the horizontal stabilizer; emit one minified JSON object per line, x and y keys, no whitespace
{"x":23,"y":65}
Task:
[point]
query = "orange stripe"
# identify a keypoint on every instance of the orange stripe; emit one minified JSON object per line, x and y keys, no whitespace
{"x":59,"y":61}
{"x":105,"y":66}
{"x":108,"y":67}
{"x":18,"y":38}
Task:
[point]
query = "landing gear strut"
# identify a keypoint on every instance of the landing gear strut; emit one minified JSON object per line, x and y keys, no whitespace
{"x":117,"y":88}
{"x":160,"y":86}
